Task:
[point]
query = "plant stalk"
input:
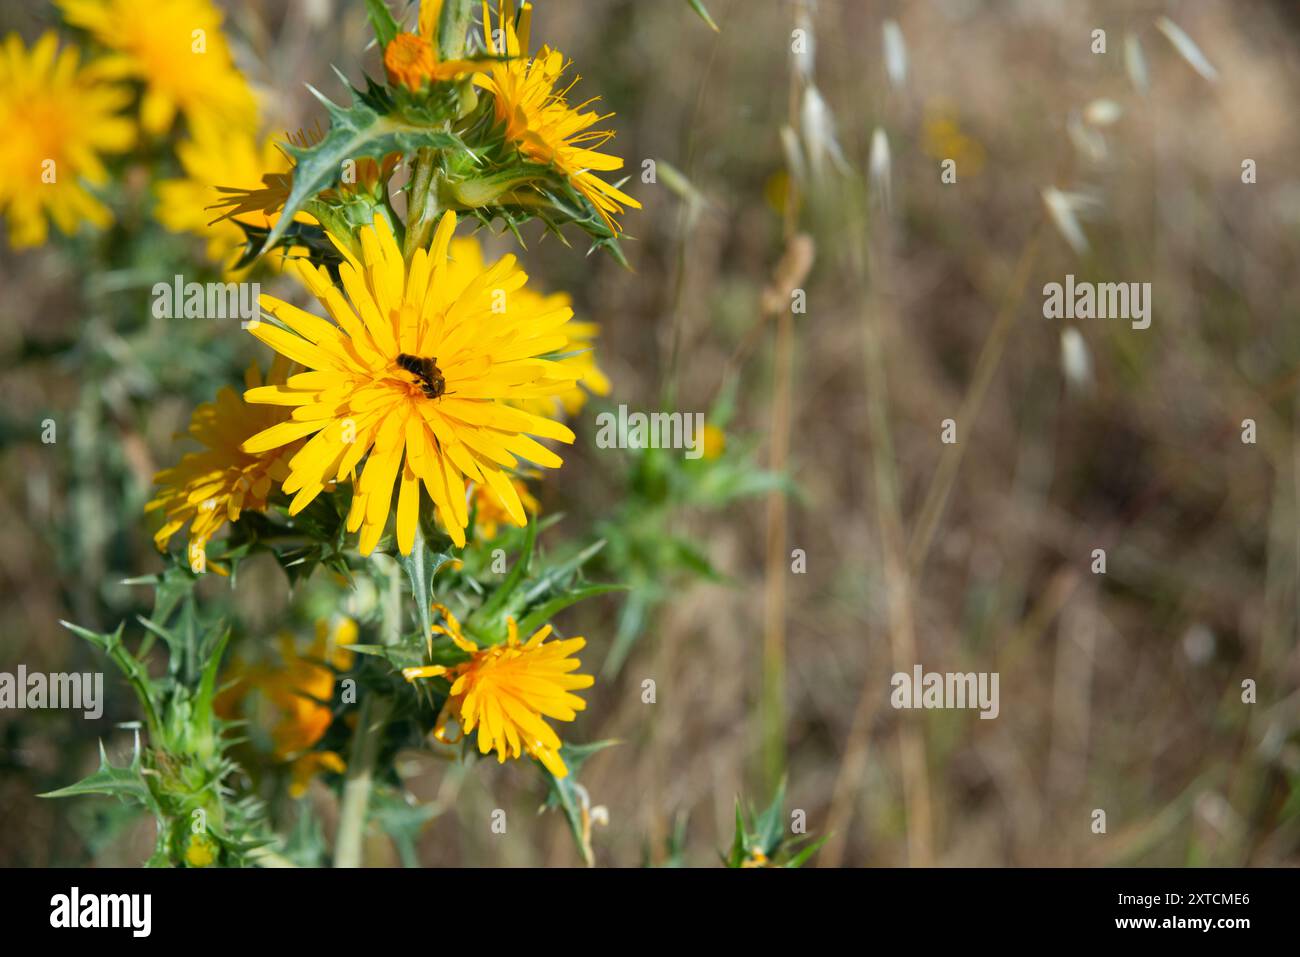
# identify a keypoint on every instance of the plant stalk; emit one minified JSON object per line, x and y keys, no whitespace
{"x":356,"y":787}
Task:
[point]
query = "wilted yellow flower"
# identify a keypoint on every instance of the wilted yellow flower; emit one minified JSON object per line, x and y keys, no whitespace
{"x":218,"y":160}
{"x":214,"y":486}
{"x":177,"y":50}
{"x":415,"y":370}
{"x":537,"y":117}
{"x":297,"y":690}
{"x":506,"y":690}
{"x":57,"y":119}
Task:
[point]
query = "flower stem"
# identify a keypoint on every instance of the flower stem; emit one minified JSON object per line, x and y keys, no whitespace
{"x":453,"y":28}
{"x":357,"y":784}
{"x":422,"y":203}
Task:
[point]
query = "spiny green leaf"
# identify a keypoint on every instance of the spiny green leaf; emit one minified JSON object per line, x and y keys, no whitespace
{"x":802,"y":857}
{"x":703,"y":14}
{"x":564,"y":791}
{"x":545,"y":612}
{"x":355,"y":132}
{"x":513,"y":578}
{"x":770,"y":826}
{"x":421,"y":565}
{"x":381,"y":20}
{"x":126,"y":783}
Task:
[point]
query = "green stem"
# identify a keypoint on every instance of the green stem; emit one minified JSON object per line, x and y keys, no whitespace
{"x":422,"y":203}
{"x":453,"y":28}
{"x":375,"y":709}
{"x":360,"y":776}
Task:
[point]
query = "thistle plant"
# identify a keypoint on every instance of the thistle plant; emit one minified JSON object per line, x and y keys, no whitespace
{"x":383,"y":447}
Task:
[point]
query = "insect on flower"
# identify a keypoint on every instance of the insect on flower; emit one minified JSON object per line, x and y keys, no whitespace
{"x":432,"y":383}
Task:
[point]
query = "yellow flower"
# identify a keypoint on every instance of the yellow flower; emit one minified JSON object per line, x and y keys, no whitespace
{"x":489,"y":513}
{"x":218,"y":160}
{"x":214,"y":486}
{"x":755,"y":858}
{"x":944,"y":139}
{"x":200,"y":851}
{"x":715,"y":441}
{"x":414,"y":370}
{"x":506,"y":690}
{"x":57,"y":119}
{"x":577,"y":355}
{"x":538,"y":119}
{"x":297,"y":690}
{"x":176,"y":48}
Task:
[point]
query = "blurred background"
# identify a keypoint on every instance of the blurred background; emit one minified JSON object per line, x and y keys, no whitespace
{"x":1120,"y":692}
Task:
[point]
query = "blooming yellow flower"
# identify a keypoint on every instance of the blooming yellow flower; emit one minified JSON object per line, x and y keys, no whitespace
{"x":298,"y":690}
{"x":578,"y":355}
{"x":57,"y":119}
{"x":218,"y":160}
{"x":214,"y":486}
{"x":537,"y":117}
{"x":415,"y":370}
{"x":506,"y":690}
{"x":176,"y":48}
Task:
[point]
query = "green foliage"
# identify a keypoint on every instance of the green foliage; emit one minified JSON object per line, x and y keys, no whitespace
{"x":571,"y":797}
{"x":356,"y":132}
{"x":703,"y":14}
{"x":760,"y":840}
{"x":182,"y":774}
{"x":646,"y":546}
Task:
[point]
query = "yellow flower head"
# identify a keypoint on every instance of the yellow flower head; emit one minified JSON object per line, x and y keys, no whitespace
{"x":411,"y":60}
{"x":577,"y":355}
{"x":415,"y":370}
{"x":214,"y":486}
{"x":506,"y":690}
{"x":218,"y":160}
{"x":57,"y":119}
{"x":944,"y":139}
{"x":297,"y":691}
{"x":538,"y":118}
{"x":176,"y":48}
{"x":489,"y":514}
{"x":200,"y":851}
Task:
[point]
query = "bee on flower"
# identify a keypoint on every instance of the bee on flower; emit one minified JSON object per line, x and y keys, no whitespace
{"x":358,"y":399}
